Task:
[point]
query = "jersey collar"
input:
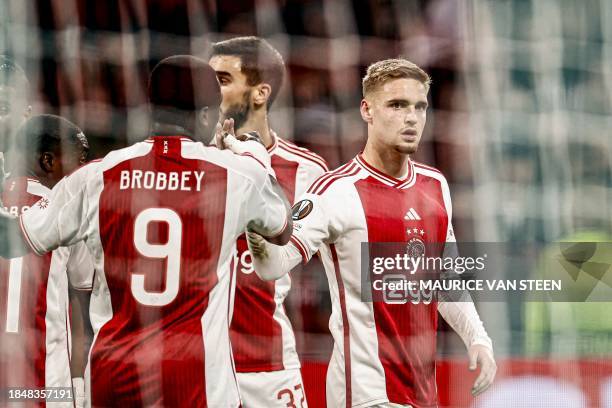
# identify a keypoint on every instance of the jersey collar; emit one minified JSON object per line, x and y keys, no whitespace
{"x":274,"y":141}
{"x":385,"y":178}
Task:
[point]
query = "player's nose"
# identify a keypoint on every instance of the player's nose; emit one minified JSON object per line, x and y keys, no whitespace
{"x":411,"y":117}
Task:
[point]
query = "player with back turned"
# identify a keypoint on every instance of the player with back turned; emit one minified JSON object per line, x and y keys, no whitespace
{"x":384,"y":353}
{"x":35,"y":346}
{"x":161,"y":218}
{"x":250,"y":73}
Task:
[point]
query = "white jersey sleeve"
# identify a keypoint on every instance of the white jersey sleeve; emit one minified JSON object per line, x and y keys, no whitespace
{"x":312,"y":225}
{"x":60,"y":219}
{"x":80,"y":267}
{"x":265,"y":208}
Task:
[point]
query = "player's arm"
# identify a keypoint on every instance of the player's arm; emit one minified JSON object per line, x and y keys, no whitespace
{"x":464,"y":319}
{"x":258,"y":227}
{"x":311,"y":230}
{"x":81,"y":329}
{"x":59,"y":219}
{"x":460,"y":313}
{"x":272,"y":261}
{"x":82,"y":339}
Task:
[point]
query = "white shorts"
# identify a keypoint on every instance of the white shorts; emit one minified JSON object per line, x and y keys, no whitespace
{"x":272,"y":389}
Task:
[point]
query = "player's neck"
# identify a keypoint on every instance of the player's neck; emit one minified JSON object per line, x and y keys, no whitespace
{"x":258,"y":123}
{"x":166,"y":129}
{"x":390,"y":162}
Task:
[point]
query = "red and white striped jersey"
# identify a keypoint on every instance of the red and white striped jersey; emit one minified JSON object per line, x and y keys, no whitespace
{"x":382,"y":352}
{"x":34,"y":325}
{"x":161,"y":219}
{"x":261,"y":333}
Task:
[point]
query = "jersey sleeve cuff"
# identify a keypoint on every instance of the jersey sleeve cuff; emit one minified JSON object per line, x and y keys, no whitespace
{"x":300,"y":247}
{"x":283,"y":228}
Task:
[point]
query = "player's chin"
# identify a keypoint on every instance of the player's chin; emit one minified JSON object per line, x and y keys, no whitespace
{"x":407,"y":148}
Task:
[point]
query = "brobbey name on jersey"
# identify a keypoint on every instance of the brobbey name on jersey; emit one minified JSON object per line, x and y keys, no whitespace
{"x":16,"y":210}
{"x":154,"y":180}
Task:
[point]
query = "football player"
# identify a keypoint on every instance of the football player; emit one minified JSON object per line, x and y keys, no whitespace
{"x":161,"y":218}
{"x":381,"y":195}
{"x":251,"y":72}
{"x":35,"y":346}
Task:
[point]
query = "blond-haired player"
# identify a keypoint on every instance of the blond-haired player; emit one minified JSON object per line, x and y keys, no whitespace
{"x":384,"y":353}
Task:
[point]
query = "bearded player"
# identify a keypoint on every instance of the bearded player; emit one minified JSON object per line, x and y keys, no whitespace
{"x":250,"y":72}
{"x":35,"y":346}
{"x":384,"y":353}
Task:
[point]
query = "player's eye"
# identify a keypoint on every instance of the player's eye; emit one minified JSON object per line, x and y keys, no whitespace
{"x":224,"y":81}
{"x":421,"y":106}
{"x":396,"y":105}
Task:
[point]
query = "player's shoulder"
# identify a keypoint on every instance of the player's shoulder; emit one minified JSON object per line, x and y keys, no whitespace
{"x":301,"y":155}
{"x":336,"y":181}
{"x":245,"y":164}
{"x":427,"y":171}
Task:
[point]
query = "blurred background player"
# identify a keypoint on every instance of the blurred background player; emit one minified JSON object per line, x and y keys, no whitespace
{"x":382,"y":196}
{"x":14,"y":105}
{"x":251,"y":72}
{"x":161,"y":219}
{"x":34,"y":342}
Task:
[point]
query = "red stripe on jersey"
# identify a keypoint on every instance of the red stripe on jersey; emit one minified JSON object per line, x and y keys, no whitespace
{"x":309,"y":153}
{"x":304,"y":153}
{"x":424,"y":166}
{"x":286,"y":172}
{"x":257,"y":338}
{"x":298,"y":244}
{"x":406,"y":333}
{"x":345,"y":327}
{"x":339,"y":171}
{"x":154,"y":355}
{"x":333,"y":180}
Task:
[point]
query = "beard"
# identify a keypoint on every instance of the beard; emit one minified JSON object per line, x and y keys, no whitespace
{"x":239,"y":112}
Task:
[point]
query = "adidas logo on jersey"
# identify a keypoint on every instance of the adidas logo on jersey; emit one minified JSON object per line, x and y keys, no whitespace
{"x":412,"y":215}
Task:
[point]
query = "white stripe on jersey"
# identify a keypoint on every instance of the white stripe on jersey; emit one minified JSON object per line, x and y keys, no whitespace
{"x":57,"y":363}
{"x":221,"y":383}
{"x":365,"y":362}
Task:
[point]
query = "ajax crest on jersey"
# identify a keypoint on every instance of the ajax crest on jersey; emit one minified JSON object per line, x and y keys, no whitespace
{"x":416,"y":245}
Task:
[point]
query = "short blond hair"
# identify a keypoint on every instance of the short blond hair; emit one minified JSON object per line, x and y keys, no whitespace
{"x":383,"y":71}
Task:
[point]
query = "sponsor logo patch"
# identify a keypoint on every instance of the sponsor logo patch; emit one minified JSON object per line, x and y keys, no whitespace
{"x":301,"y":209}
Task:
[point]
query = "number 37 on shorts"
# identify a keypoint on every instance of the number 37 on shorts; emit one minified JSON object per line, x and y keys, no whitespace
{"x":272,"y":389}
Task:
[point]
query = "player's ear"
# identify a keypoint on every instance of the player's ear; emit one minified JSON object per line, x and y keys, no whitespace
{"x":47,"y":162}
{"x":261,"y":94}
{"x":364,"y":109}
{"x":204,"y":117}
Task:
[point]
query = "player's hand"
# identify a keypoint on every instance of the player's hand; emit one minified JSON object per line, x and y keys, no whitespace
{"x":248,"y":143}
{"x":222,"y":132}
{"x":257,"y":245}
{"x":482,"y":356}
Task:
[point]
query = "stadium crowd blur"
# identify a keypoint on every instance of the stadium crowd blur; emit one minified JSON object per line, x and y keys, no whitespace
{"x":519,"y":119}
